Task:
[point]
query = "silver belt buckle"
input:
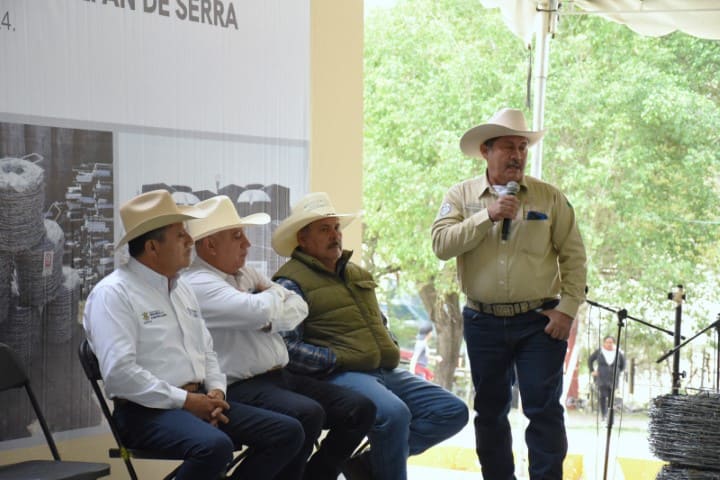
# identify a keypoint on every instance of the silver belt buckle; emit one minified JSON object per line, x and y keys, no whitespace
{"x":503,"y":309}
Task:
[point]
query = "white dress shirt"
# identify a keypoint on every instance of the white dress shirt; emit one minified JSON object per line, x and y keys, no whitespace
{"x":149,"y":337}
{"x":244,"y":313}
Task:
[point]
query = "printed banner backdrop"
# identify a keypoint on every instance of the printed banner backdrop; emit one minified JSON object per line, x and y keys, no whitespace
{"x":103,"y":99}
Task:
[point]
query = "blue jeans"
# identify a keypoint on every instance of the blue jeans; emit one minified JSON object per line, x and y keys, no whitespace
{"x":412,"y":416}
{"x":207,"y":450}
{"x":316,"y":404}
{"x":497,"y":348}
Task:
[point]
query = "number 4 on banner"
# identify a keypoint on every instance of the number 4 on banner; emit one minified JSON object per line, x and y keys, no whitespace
{"x":5,"y":22}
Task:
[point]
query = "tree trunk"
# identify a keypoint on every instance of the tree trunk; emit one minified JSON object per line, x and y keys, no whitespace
{"x":444,"y":311}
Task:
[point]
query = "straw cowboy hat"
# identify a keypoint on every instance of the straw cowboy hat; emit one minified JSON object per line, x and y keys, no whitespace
{"x":313,"y":206}
{"x":152,"y":210}
{"x":221,"y":214}
{"x":508,"y":121}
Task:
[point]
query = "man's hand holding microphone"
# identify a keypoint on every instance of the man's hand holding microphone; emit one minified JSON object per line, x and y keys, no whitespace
{"x":505,"y":208}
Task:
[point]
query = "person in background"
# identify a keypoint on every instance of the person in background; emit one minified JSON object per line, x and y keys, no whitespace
{"x":521,"y":265}
{"x":244,"y":311}
{"x":419,"y":359}
{"x":602,"y":364}
{"x":157,"y":360}
{"x":345,"y":340}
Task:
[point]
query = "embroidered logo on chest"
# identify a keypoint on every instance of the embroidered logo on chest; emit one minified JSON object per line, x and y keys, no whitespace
{"x":148,"y":317}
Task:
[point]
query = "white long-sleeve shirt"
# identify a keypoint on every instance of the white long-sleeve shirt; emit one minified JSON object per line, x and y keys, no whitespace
{"x":149,"y":339}
{"x":244,"y":313}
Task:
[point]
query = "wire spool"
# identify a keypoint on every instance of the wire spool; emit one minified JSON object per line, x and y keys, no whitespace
{"x":673,"y":472}
{"x":22,"y":329}
{"x":6,"y":271}
{"x":17,"y":333}
{"x":22,"y":196}
{"x":685,"y":430}
{"x":39,"y":270}
{"x":62,"y":311}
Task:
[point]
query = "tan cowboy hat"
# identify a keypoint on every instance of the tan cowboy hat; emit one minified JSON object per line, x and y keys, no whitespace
{"x":221,"y":214}
{"x":152,"y":210}
{"x":312,"y":207}
{"x":508,"y":121}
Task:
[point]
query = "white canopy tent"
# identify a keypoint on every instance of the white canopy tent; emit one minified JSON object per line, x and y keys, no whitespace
{"x":700,"y":18}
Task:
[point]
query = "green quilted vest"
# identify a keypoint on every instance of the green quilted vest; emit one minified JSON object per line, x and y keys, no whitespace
{"x":344,"y":314}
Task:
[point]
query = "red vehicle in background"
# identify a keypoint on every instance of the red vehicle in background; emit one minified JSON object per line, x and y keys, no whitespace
{"x":406,"y":356}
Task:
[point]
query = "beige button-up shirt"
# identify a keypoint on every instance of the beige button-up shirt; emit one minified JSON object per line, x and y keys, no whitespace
{"x":543,"y":257}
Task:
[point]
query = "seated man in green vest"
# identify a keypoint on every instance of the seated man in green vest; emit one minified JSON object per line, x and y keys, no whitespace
{"x":344,"y":339}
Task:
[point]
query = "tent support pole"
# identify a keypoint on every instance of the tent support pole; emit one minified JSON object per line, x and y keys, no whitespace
{"x":548,"y":21}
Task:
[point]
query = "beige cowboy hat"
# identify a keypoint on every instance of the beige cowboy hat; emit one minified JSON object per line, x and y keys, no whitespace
{"x":312,"y":207}
{"x":505,"y":122}
{"x":151,"y":210}
{"x":221,"y":214}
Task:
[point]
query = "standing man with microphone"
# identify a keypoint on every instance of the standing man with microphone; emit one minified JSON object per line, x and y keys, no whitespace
{"x":521,"y":265}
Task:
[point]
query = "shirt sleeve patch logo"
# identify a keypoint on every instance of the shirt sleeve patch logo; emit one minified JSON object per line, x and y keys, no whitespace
{"x":445,"y":209}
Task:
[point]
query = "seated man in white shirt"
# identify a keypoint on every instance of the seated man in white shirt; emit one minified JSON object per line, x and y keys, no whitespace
{"x":244,"y":311}
{"x":157,"y":360}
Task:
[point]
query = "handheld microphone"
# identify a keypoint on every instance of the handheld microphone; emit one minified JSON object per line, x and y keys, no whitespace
{"x":512,"y":188}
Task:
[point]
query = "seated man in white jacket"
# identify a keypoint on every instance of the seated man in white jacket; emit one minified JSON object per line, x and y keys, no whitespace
{"x":244,"y":311}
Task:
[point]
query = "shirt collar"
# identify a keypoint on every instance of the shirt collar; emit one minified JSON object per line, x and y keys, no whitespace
{"x":152,"y":277}
{"x":200,"y":263}
{"x":486,"y":187}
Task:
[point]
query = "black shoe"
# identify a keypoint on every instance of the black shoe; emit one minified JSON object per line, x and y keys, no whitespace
{"x":358,"y":467}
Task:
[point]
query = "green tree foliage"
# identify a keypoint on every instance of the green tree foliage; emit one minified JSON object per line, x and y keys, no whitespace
{"x":633,"y":128}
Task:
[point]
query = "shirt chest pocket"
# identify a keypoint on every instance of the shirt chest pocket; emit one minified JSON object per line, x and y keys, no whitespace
{"x":535,"y":236}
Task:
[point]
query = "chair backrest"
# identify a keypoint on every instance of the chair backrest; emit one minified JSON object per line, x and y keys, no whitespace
{"x":89,"y":362}
{"x":12,"y":375}
{"x":90,"y":365}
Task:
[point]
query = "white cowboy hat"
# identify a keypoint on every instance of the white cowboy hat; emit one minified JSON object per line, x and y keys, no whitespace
{"x":151,"y":210}
{"x":221,"y":214}
{"x":508,"y":121}
{"x":312,"y":207}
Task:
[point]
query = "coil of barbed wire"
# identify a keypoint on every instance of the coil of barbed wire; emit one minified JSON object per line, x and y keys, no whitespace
{"x":22,"y":196}
{"x":39,"y":268}
{"x":674,"y":472}
{"x":62,"y":311}
{"x":6,"y":270}
{"x":685,"y":430}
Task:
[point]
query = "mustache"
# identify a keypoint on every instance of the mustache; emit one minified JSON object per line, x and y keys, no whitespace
{"x":334,"y":244}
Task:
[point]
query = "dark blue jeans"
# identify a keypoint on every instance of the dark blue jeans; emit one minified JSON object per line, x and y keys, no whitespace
{"x":412,"y":416}
{"x":497,"y":348}
{"x":207,"y":450}
{"x":316,"y":404}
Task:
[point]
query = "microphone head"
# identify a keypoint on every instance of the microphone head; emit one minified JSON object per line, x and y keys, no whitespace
{"x":512,"y":188}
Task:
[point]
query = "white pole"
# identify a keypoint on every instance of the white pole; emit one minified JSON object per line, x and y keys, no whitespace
{"x":548,"y":21}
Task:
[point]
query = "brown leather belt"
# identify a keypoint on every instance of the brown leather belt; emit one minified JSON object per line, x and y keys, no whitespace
{"x":506,"y":309}
{"x":192,"y":387}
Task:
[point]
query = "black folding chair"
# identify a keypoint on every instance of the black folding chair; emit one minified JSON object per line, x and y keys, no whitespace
{"x":12,"y":375}
{"x":92,"y":371}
